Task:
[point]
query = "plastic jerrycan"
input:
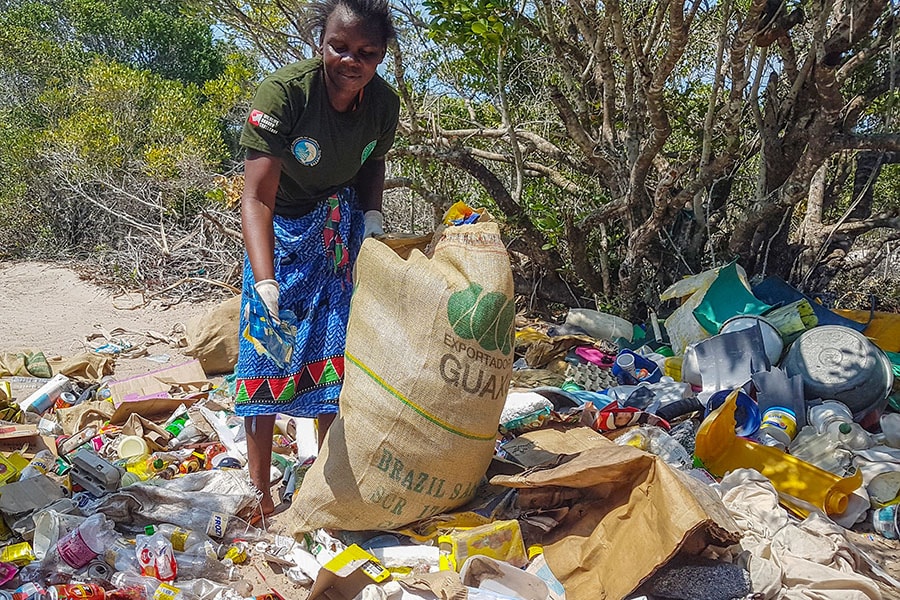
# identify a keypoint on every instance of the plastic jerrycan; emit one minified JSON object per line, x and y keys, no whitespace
{"x":722,"y":451}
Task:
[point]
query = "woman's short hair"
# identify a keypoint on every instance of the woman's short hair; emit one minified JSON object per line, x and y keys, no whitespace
{"x":376,"y":13}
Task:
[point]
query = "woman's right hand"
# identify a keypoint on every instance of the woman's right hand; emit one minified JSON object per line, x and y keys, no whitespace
{"x":268,"y":291}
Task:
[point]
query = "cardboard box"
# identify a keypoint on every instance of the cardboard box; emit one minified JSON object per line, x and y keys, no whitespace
{"x":345,"y":575}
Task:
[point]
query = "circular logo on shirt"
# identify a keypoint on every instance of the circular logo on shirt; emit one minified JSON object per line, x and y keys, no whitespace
{"x":306,"y":151}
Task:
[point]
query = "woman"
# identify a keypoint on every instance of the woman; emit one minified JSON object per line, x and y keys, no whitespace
{"x":316,"y":138}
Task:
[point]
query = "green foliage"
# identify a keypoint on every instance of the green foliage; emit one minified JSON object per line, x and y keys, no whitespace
{"x":111,"y":101}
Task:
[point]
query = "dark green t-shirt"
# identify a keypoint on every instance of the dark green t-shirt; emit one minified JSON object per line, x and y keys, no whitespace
{"x":321,"y":149}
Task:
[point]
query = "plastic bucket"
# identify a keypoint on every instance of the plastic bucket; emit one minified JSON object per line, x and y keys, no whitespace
{"x":841,"y":364}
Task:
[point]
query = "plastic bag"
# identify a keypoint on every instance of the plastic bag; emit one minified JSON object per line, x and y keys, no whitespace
{"x":273,"y":338}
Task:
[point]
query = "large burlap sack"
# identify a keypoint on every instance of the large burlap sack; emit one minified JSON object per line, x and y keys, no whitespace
{"x":213,"y":337}
{"x":427,"y":367}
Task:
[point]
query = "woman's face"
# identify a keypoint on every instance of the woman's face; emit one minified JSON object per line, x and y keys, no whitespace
{"x":351,"y":52}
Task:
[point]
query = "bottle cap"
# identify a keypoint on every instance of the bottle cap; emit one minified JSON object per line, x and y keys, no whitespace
{"x":149,"y":529}
{"x":158,"y":464}
{"x":845,"y":428}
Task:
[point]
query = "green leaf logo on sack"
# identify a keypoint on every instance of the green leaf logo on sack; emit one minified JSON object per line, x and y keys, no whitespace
{"x":486,"y":318}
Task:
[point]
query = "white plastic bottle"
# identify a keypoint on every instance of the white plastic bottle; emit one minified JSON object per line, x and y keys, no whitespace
{"x":188,"y":540}
{"x":155,"y":555}
{"x":82,"y":545}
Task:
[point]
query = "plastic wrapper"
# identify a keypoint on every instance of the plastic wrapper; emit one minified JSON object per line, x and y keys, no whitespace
{"x":273,"y":338}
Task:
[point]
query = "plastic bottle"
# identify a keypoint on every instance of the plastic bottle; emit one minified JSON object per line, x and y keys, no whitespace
{"x":42,"y":462}
{"x":192,"y":566}
{"x":82,"y":545}
{"x":122,"y":557}
{"x":850,"y":435}
{"x":166,"y":591}
{"x":167,"y":472}
{"x":155,"y":555}
{"x":145,"y":466}
{"x":188,"y":540}
{"x":124,"y":579}
{"x":600,"y":325}
{"x":205,"y":589}
{"x":41,"y":400}
{"x":176,"y":426}
{"x":189,"y":434}
{"x":821,"y":450}
{"x":189,"y":465}
{"x":830,"y":411}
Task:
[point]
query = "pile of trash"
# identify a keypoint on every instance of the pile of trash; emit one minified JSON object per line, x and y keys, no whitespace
{"x":721,"y":452}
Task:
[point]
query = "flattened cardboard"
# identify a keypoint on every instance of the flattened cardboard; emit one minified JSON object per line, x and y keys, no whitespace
{"x":152,"y":407}
{"x":156,"y":383}
{"x":16,"y":432}
{"x":633,"y":514}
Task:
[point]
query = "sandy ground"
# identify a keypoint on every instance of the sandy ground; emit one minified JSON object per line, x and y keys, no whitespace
{"x":50,"y":308}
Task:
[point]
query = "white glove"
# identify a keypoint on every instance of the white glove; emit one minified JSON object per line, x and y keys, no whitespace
{"x":268,"y":292}
{"x":374,"y":223}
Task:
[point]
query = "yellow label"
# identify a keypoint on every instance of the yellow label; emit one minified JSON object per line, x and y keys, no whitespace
{"x":166,"y":592}
{"x":179,"y":537}
{"x":782,"y":419}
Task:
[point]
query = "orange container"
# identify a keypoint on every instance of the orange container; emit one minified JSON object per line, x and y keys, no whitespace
{"x":721,"y":451}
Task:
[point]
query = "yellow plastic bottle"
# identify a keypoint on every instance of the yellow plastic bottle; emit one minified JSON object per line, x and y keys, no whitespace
{"x":721,"y":451}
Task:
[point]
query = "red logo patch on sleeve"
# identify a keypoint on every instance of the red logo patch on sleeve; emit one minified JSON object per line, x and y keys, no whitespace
{"x":255,"y":116}
{"x":260,"y":119}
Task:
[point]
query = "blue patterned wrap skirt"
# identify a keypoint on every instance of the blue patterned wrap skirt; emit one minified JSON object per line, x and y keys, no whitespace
{"x":314,"y":257}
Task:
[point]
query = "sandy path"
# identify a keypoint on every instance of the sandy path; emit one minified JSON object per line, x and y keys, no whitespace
{"x":50,"y":308}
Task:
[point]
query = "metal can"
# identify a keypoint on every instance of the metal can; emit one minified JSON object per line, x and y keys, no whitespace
{"x":65,"y":400}
{"x":98,"y":569}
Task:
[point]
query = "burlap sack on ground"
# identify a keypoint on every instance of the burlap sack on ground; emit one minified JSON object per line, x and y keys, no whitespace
{"x":427,"y":366}
{"x":213,"y":338}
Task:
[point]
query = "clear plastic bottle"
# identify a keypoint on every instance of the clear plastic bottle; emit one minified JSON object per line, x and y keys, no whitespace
{"x":830,"y":411}
{"x":82,"y":545}
{"x":122,"y":557}
{"x":42,"y":462}
{"x":189,"y":540}
{"x":155,"y":555}
{"x":193,"y":566}
{"x":125,"y":579}
{"x":205,"y":589}
{"x":821,"y":450}
{"x":850,"y":435}
{"x":49,"y":526}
